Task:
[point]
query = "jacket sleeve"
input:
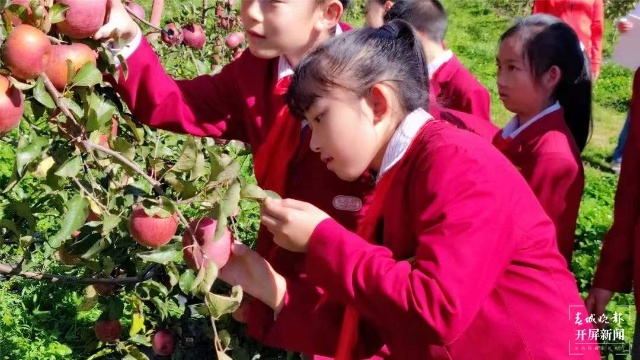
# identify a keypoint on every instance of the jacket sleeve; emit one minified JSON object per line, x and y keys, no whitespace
{"x":207,"y":105}
{"x":615,"y":268}
{"x":558,"y":183}
{"x":460,"y":222}
{"x":597,"y":23}
{"x":478,"y":103}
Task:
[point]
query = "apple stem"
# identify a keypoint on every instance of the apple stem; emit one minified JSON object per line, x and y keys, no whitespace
{"x":145,"y":275}
{"x":55,"y":40}
{"x":135,"y":16}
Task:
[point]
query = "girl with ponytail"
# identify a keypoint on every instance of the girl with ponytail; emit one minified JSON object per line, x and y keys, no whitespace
{"x":454,"y":258}
{"x":543,"y":77}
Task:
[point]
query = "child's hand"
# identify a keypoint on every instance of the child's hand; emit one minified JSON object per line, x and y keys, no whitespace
{"x":256,"y":276}
{"x":624,"y":25}
{"x":597,"y":301}
{"x":291,"y":222}
{"x":120,"y":26}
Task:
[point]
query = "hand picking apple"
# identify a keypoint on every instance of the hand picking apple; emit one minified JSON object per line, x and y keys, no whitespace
{"x":291,"y":222}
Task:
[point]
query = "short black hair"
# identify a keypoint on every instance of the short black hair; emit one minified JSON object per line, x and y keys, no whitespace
{"x":426,"y":16}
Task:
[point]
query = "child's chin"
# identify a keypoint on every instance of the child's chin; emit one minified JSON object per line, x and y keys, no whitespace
{"x":346,"y":176}
{"x":264,"y":53}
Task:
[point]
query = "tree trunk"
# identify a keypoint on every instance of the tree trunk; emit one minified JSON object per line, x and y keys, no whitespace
{"x":156,"y":16}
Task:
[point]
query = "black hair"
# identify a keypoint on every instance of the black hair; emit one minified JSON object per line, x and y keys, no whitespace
{"x":427,"y":16}
{"x":547,"y":41}
{"x":357,"y":60}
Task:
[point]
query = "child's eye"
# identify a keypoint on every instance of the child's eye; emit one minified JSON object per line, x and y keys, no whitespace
{"x":511,"y":68}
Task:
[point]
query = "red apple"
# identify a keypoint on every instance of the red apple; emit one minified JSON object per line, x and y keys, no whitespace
{"x":151,"y":231}
{"x":11,"y":105}
{"x":193,"y":36}
{"x":57,"y":69}
{"x":83,"y":18}
{"x":104,"y":139}
{"x":164,"y":342}
{"x":216,"y":251}
{"x":137,"y":9}
{"x":26,"y":52}
{"x":233,"y":40}
{"x":171,"y":35}
{"x":108,"y":331}
{"x":105,"y":289}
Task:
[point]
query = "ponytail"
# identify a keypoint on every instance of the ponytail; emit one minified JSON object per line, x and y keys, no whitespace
{"x":359,"y":59}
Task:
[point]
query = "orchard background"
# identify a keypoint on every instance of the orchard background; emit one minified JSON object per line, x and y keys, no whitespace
{"x":53,"y":181}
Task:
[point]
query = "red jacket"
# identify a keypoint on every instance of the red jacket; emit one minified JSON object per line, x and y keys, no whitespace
{"x":467,"y":121}
{"x":619,"y":265}
{"x":487,"y":281}
{"x":239,"y":103}
{"x":586,"y":17}
{"x":454,"y":87}
{"x":549,"y":160}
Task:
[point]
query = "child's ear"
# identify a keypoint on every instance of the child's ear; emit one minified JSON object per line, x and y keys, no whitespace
{"x":379,"y":100}
{"x":332,"y":12}
{"x":387,"y":5}
{"x":552,"y":77}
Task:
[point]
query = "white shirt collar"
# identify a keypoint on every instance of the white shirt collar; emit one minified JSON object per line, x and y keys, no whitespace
{"x":285,"y":69}
{"x":439,"y":61}
{"x":401,"y":139}
{"x":512,"y":130}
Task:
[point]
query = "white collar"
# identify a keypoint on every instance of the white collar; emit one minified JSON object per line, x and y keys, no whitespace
{"x":512,"y":130}
{"x":285,"y":69}
{"x":437,"y":63}
{"x":401,"y":139}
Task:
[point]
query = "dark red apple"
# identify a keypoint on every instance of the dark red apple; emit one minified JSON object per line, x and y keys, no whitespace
{"x":11,"y":105}
{"x":216,"y":251}
{"x":164,"y":342}
{"x":171,"y":35}
{"x":108,"y":331}
{"x":83,"y":18}
{"x":26,"y":52}
{"x":193,"y":36}
{"x":151,"y":231}
{"x":233,"y":40}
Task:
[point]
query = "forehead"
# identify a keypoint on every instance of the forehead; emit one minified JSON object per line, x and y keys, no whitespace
{"x":511,"y":49}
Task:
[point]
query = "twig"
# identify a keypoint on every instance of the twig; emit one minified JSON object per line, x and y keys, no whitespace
{"x":145,"y":275}
{"x":56,"y":98}
{"x":90,"y":194}
{"x":55,"y":40}
{"x":204,"y":12}
{"x":9,"y":141}
{"x":135,"y":16}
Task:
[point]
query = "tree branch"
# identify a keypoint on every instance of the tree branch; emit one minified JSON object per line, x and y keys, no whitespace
{"x":135,"y":16}
{"x":56,"y":98}
{"x":90,"y":194}
{"x":145,"y":275}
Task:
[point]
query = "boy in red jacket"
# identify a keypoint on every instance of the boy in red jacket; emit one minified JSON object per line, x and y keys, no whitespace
{"x":245,"y":102}
{"x":451,"y":84}
{"x":586,"y":17}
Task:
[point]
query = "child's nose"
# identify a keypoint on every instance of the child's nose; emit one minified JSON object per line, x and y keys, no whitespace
{"x":252,"y":10}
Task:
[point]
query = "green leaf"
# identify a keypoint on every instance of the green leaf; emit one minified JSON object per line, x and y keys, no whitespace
{"x":223,"y":356}
{"x":88,"y":75}
{"x":115,"y":306}
{"x":272,"y":194}
{"x":95,"y":248}
{"x":57,"y":12}
{"x":199,"y":168}
{"x":186,"y":281}
{"x":90,"y":299}
{"x":162,"y":255}
{"x":229,"y":202}
{"x":77,"y":212}
{"x":139,"y":339}
{"x":225,"y":339}
{"x":210,"y":276}
{"x":253,"y":192}
{"x":20,"y":11}
{"x":109,"y":222}
{"x":230,"y":172}
{"x":135,"y":354}
{"x":8,"y":224}
{"x":70,"y":168}
{"x":42,"y":96}
{"x":187,"y":159}
{"x":125,"y":148}
{"x":219,"y":305}
{"x":28,"y":151}
{"x":75,"y":109}
{"x":123,"y":66}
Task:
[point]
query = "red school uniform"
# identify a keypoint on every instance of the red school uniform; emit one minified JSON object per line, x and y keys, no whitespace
{"x":586,"y":18}
{"x":463,"y":120}
{"x":619,"y":265}
{"x":547,"y":156}
{"x":454,"y":87}
{"x":241,"y":103}
{"x":487,"y":280}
